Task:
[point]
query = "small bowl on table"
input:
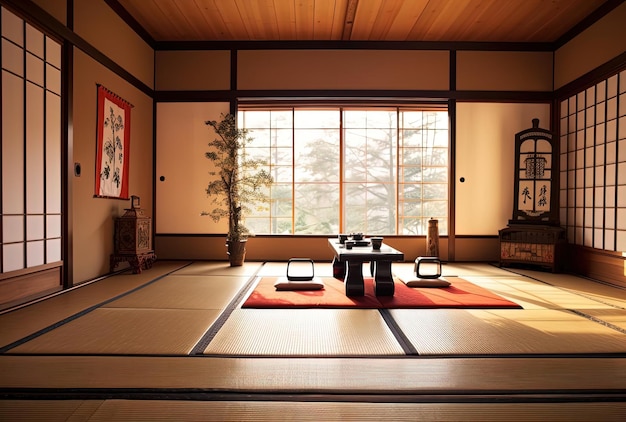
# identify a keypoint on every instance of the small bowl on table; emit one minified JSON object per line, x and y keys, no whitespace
{"x":377,"y":242}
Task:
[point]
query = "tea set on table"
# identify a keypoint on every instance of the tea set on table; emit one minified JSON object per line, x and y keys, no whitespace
{"x":357,"y":239}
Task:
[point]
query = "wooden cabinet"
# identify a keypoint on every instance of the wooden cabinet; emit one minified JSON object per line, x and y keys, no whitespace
{"x":133,"y":240}
{"x":532,"y":244}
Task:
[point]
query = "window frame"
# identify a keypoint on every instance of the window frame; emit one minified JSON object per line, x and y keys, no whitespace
{"x":399,"y":168}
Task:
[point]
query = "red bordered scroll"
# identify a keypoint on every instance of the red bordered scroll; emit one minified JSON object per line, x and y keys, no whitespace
{"x":113,"y":153}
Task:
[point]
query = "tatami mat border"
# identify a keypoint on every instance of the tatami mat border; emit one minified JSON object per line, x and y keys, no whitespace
{"x":598,"y":320}
{"x":185,"y":394}
{"x":397,"y":332}
{"x":77,"y":315}
{"x":198,"y":349}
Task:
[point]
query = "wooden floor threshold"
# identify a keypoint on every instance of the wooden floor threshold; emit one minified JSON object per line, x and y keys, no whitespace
{"x":582,"y":396}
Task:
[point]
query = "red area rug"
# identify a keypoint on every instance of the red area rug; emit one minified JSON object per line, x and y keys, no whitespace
{"x":460,"y":294}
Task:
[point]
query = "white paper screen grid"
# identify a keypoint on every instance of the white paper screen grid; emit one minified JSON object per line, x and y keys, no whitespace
{"x":593,"y":130}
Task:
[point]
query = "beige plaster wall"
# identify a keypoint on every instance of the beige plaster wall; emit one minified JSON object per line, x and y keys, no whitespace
{"x":192,"y":70}
{"x":600,"y":43}
{"x":343,"y":69}
{"x":182,"y":138}
{"x":504,"y":70}
{"x":93,"y":218}
{"x":485,"y":151}
{"x":99,"y":25}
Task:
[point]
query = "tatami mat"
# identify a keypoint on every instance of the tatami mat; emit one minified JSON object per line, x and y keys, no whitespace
{"x":616,"y":317}
{"x":184,"y":292}
{"x":464,"y":269}
{"x":139,"y":344}
{"x":615,"y":296}
{"x":50,"y":410}
{"x":22,"y":322}
{"x":214,"y":268}
{"x":304,"y":332}
{"x":514,"y":289}
{"x":547,"y":276}
{"x":347,"y":375}
{"x":532,"y":294}
{"x":606,"y":293}
{"x":125,"y":331}
{"x":505,"y":331}
{"x":169,"y":410}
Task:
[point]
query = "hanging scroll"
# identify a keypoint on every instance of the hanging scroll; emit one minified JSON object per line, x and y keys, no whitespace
{"x":113,"y":153}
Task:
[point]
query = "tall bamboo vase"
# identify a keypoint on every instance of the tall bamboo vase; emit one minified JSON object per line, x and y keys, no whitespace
{"x":432,"y":238}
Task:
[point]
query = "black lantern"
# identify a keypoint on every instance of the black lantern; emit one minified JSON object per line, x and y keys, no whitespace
{"x":534,"y":200}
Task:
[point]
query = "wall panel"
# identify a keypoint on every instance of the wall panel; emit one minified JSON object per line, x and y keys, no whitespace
{"x":182,"y":139}
{"x":93,"y":218}
{"x":504,"y":71}
{"x":485,"y":151}
{"x":192,"y":70}
{"x":100,"y":26}
{"x":57,"y":8}
{"x":603,"y":41}
{"x":16,"y":290}
{"x":343,"y":69}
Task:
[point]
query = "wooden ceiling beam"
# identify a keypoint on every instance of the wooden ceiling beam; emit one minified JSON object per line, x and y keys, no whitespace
{"x":349,"y":22}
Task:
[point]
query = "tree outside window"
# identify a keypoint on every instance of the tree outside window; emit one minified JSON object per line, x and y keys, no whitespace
{"x":348,"y":169}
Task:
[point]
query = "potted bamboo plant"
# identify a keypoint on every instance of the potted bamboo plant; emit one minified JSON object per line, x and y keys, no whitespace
{"x":239,"y":183}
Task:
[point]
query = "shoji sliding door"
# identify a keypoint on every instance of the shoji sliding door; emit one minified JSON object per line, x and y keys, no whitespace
{"x":30,"y":200}
{"x":593,"y":165}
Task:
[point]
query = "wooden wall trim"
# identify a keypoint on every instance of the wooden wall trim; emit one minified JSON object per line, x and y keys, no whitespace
{"x":31,"y":270}
{"x":609,"y":267}
{"x":594,"y":17}
{"x":36,"y":15}
{"x":26,"y":287}
{"x":353,"y":45}
{"x":67,"y":141}
{"x":608,"y":69}
{"x":130,"y":21}
{"x":399,"y":95}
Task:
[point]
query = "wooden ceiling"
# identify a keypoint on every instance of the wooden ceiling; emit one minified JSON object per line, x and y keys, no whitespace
{"x":544,"y":21}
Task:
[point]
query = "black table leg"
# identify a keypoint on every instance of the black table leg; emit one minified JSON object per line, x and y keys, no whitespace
{"x":339,"y":268}
{"x":354,"y":279}
{"x":383,"y":279}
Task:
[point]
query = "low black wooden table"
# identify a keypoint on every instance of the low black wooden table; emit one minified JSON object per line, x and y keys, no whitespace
{"x":355,"y":258}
